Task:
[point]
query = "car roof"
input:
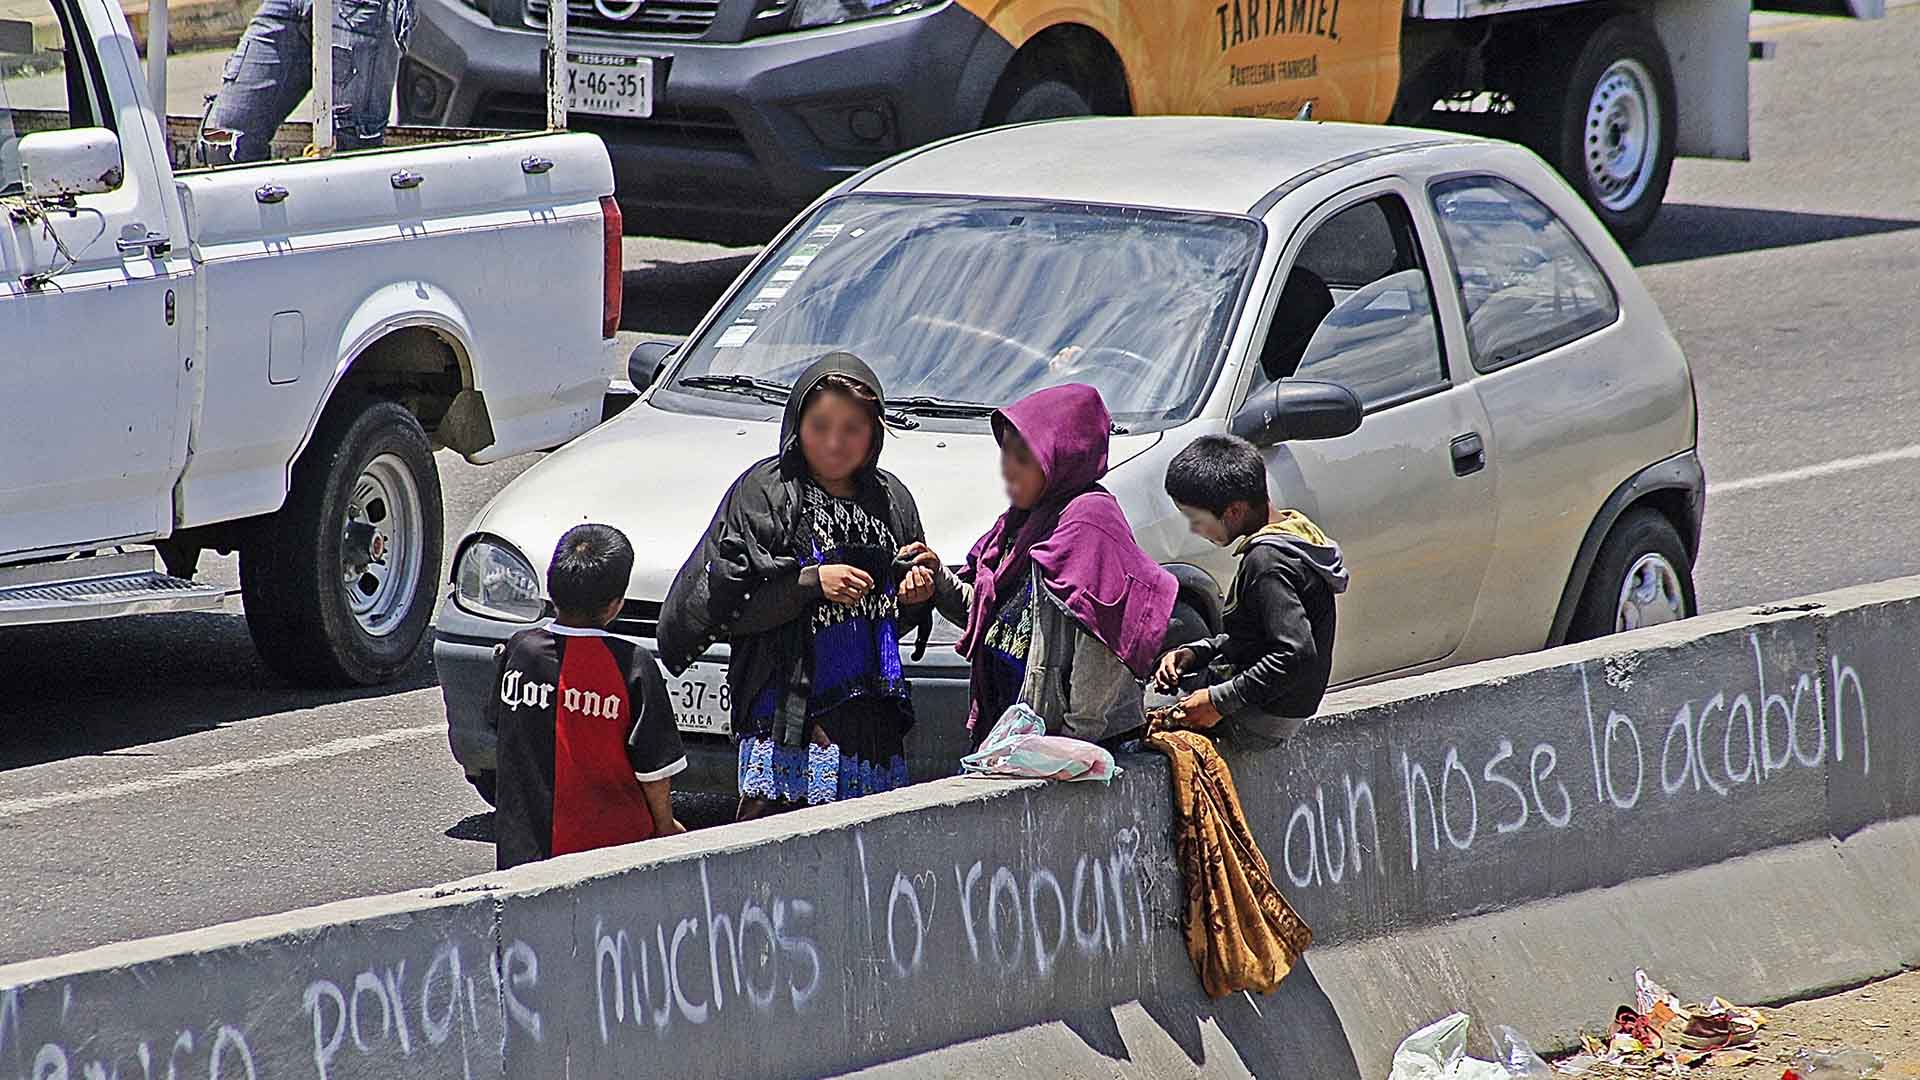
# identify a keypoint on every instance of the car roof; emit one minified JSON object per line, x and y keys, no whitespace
{"x":1206,"y":163}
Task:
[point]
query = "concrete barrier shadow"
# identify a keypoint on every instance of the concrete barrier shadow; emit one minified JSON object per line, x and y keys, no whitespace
{"x":1733,"y":802}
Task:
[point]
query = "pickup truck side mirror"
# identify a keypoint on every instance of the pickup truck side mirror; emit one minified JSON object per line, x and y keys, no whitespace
{"x":647,"y":361}
{"x":78,"y":161}
{"x":1291,"y":409}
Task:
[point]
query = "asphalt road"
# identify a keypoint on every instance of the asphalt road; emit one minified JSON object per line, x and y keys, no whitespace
{"x":155,"y":777}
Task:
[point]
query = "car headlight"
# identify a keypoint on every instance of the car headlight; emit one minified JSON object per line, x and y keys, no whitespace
{"x":811,"y":13}
{"x":493,"y":580}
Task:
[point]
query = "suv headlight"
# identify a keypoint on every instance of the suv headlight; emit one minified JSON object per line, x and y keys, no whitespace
{"x":811,"y":13}
{"x":494,"y":581}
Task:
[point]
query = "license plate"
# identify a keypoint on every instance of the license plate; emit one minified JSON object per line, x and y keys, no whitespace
{"x":607,"y":84}
{"x":701,"y":701}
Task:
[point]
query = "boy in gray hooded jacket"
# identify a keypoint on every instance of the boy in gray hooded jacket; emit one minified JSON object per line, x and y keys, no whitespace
{"x":1268,"y":669}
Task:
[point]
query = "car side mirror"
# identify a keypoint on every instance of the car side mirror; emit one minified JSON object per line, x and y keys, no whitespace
{"x":1305,"y":409}
{"x":648,"y":361}
{"x":78,"y":161}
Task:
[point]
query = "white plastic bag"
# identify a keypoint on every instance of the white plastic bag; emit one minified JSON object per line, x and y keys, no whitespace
{"x":1517,"y":1056}
{"x":1439,"y":1052}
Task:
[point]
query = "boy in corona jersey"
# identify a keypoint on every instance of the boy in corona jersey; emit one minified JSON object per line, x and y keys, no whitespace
{"x":587,"y":736}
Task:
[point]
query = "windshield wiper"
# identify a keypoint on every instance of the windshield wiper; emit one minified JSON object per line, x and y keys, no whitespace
{"x":765,"y":389}
{"x":939,"y":406}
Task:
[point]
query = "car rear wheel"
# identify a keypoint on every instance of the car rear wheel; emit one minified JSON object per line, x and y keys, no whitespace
{"x":1642,"y":577}
{"x":338,"y":586}
{"x":1185,"y":626}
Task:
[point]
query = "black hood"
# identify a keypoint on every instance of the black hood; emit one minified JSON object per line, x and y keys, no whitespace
{"x":844,"y":364}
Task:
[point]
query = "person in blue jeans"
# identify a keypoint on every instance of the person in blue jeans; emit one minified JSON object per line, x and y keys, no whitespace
{"x":271,"y":70}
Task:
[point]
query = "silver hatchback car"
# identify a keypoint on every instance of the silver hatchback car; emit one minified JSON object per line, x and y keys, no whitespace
{"x":1449,"y":362}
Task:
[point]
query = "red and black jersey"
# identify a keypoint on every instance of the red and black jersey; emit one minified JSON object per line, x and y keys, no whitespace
{"x":583,"y":718}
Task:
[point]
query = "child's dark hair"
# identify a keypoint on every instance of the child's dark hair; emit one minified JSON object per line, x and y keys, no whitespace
{"x":590,"y":568}
{"x":1216,"y":471}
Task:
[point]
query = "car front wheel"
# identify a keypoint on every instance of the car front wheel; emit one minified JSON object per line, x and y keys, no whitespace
{"x":1642,"y":577}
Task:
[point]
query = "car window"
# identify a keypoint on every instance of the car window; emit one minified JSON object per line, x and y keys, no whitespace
{"x":44,"y":83}
{"x":981,"y":302}
{"x":1526,"y":284}
{"x":1356,"y":309}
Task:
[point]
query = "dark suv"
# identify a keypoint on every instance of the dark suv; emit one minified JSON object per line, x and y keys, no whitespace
{"x":757,"y":106}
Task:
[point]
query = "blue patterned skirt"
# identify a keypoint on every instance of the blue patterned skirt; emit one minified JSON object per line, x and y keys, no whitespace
{"x":867,"y":755}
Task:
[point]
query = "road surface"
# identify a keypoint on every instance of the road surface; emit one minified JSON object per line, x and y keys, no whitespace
{"x":155,"y":777}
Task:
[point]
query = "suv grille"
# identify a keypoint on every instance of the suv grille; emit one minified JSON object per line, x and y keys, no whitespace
{"x":674,"y":18}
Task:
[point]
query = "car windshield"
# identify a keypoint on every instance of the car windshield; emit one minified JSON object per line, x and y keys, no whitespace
{"x":961,"y":303}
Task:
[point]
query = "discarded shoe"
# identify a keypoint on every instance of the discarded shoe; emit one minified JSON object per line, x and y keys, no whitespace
{"x":1658,"y":1029}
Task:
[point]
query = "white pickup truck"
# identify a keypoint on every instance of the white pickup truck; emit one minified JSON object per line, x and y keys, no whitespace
{"x":264,"y":358}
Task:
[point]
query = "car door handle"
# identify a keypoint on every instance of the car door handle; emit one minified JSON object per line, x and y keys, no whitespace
{"x":1469,"y":454}
{"x":269,"y":194}
{"x":406,"y":179}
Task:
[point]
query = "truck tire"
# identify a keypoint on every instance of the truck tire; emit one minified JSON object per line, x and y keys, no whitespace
{"x":338,"y":586}
{"x":1047,"y":99}
{"x":1607,"y":120}
{"x":1642,"y":576}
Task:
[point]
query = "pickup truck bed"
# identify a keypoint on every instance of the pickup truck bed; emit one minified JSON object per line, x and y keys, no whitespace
{"x":265,"y":357}
{"x":463,"y":240}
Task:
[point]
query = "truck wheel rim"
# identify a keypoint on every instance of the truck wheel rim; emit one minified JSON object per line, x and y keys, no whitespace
{"x":1622,"y":136}
{"x":382,"y":544}
{"x":1650,"y":595}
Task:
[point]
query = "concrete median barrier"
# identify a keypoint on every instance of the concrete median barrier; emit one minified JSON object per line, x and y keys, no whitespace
{"x":1731,"y":802}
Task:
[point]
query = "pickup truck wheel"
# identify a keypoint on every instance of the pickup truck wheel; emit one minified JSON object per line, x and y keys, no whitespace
{"x":338,"y":586}
{"x":1642,"y":577}
{"x":1607,"y":121}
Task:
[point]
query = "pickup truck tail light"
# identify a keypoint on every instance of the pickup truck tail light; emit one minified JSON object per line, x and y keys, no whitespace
{"x":610,"y":224}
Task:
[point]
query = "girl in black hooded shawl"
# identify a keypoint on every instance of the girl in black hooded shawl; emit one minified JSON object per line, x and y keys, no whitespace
{"x":796,"y":573}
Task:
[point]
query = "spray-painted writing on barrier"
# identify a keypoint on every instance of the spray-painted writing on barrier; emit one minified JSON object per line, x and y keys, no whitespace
{"x":755,"y":949}
{"x":1711,"y":745}
{"x":444,"y":1006}
{"x":447,"y":1009}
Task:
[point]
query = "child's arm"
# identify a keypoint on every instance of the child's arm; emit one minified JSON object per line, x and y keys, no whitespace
{"x":653,"y":744}
{"x":952,"y":597}
{"x":1286,"y":637}
{"x":659,"y":796}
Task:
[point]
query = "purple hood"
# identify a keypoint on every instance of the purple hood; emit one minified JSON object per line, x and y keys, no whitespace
{"x":1077,"y":535}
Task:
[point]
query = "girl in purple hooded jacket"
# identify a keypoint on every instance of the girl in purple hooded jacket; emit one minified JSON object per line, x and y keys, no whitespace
{"x":1062,"y":610}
